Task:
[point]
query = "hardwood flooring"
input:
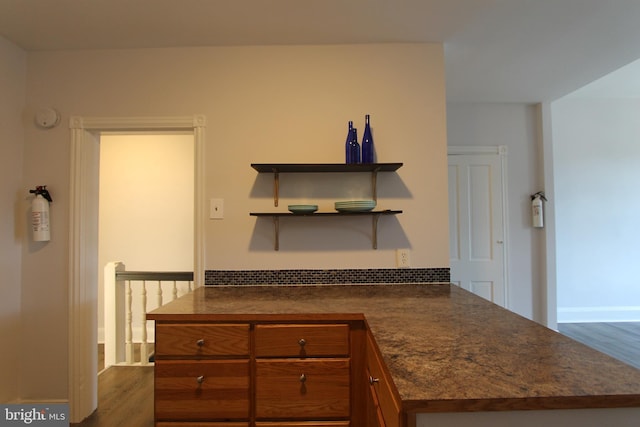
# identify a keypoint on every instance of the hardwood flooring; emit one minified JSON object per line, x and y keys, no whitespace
{"x":125,"y":395}
{"x":617,"y":339}
{"x":125,"y":398}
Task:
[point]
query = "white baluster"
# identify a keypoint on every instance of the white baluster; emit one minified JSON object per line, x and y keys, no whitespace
{"x":174,"y":292}
{"x":114,"y":315}
{"x":128,"y":346}
{"x":144,"y":351}
{"x":159,"y":293}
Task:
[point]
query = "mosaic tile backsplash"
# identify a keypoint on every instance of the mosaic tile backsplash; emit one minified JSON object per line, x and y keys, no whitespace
{"x":326,"y":277}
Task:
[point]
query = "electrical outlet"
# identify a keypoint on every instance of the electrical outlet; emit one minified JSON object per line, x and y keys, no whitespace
{"x":216,"y":209}
{"x":403,"y":258}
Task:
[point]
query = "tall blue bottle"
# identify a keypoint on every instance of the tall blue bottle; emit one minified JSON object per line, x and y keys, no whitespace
{"x":347,"y":144}
{"x":355,"y":147}
{"x":367,"y":143}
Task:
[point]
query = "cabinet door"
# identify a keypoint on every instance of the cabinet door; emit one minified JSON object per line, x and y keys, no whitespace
{"x":202,"y":339}
{"x":302,"y":340}
{"x":201,"y":390}
{"x":382,"y":387}
{"x":302,"y":389}
{"x":374,"y":412}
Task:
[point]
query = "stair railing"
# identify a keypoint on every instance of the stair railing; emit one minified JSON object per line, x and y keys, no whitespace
{"x":126,"y":290}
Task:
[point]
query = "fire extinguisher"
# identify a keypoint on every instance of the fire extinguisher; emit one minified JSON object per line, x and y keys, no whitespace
{"x":40,"y":214}
{"x":537,"y":211}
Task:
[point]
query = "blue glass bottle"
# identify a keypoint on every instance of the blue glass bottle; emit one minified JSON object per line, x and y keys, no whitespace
{"x":355,"y":147}
{"x":347,"y":145}
{"x":367,"y":143}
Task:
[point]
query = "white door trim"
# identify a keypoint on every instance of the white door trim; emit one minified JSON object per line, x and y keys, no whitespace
{"x":500,"y":150}
{"x":83,"y":250}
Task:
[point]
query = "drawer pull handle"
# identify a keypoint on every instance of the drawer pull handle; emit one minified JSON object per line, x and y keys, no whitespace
{"x":302,"y":342}
{"x":373,"y":380}
{"x":303,"y":378}
{"x":200,"y":379}
{"x":200,"y":342}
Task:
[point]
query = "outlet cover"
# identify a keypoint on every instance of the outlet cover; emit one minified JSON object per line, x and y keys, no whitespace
{"x":403,"y":258}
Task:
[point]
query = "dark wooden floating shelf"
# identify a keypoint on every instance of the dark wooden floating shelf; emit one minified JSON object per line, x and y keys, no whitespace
{"x":384,"y":212}
{"x":325,"y":167}
{"x":375,"y":215}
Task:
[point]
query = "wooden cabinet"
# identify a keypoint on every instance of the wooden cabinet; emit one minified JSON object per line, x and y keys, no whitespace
{"x":302,"y":372}
{"x":383,"y":403}
{"x":201,"y":424}
{"x":300,"y":340}
{"x":302,"y":389}
{"x":302,"y":424}
{"x":256,"y":374}
{"x":202,"y":373}
{"x":202,"y":389}
{"x":202,"y":340}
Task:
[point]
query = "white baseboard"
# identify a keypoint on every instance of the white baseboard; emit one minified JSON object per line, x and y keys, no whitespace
{"x":598,"y":314}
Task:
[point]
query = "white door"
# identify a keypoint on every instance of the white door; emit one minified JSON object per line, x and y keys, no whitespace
{"x":476,"y":221}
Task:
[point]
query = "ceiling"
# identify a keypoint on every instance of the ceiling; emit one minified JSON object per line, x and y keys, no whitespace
{"x":496,"y":50}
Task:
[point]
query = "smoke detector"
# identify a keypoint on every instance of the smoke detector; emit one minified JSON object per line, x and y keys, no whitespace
{"x":47,"y":118}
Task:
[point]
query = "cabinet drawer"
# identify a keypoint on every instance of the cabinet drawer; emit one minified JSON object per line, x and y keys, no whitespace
{"x":382,"y":387}
{"x":202,"y":424}
{"x":302,"y":424}
{"x":302,"y":389}
{"x":201,"y":339}
{"x":201,"y":390}
{"x":302,"y":340}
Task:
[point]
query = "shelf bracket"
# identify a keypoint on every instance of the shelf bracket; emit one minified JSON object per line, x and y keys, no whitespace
{"x":276,"y":231}
{"x":374,"y":231}
{"x":276,"y":186}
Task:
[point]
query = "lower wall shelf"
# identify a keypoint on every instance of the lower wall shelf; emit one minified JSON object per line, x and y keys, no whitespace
{"x":375,"y":215}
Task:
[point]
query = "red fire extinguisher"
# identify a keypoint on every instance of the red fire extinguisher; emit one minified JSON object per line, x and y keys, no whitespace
{"x":40,"y":214}
{"x":537,"y":210}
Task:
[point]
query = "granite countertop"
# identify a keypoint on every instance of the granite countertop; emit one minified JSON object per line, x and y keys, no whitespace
{"x":446,"y":349}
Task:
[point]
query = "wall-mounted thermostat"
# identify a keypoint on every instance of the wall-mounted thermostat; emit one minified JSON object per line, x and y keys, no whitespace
{"x":47,"y":118}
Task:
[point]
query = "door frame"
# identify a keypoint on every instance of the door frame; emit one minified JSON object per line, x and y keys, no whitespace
{"x":83,"y":239}
{"x":501,"y":151}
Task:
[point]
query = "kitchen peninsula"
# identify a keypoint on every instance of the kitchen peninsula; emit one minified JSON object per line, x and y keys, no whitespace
{"x":446,"y":357}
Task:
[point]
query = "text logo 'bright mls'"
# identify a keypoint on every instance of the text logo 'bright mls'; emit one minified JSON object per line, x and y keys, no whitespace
{"x":40,"y":415}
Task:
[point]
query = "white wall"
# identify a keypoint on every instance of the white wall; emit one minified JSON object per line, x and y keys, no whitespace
{"x":515,"y":126}
{"x":262,"y":104}
{"x":146,"y":208}
{"x":12,"y":193}
{"x":597,"y":159}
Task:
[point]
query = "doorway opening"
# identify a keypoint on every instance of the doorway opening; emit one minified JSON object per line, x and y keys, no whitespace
{"x":83,"y":240}
{"x":145,"y":212}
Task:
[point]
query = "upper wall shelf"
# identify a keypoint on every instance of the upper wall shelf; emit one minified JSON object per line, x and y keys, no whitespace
{"x":325,"y":167}
{"x":277,"y":168}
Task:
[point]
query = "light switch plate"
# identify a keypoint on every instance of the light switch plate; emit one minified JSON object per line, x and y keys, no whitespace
{"x":216,"y":209}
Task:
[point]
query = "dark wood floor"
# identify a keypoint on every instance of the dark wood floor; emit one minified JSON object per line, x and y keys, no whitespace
{"x":618,"y":339}
{"x":125,"y":398}
{"x":125,"y":395}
